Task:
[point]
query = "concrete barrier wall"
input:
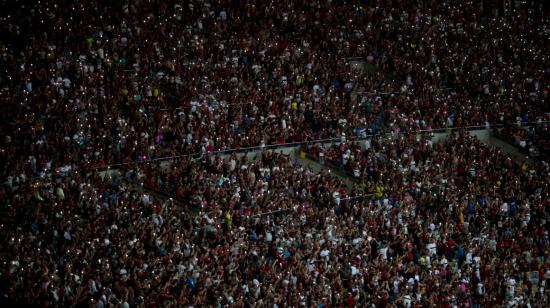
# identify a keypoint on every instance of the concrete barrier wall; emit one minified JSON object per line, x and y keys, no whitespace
{"x":484,"y":135}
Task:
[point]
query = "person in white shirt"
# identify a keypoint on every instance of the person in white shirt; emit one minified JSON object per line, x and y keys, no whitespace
{"x":368,"y":144}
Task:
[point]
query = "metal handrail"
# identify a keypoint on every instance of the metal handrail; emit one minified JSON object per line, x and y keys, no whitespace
{"x":293,"y":144}
{"x":398,"y":93}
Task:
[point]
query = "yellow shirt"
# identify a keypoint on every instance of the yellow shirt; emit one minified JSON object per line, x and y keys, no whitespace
{"x":228,"y":219}
{"x":524,"y":167}
{"x":379,"y":191}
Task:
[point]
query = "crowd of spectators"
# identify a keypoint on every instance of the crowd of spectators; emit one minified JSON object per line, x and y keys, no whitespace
{"x":433,"y":223}
{"x":90,"y":85}
{"x":96,"y":83}
{"x":533,"y":140}
{"x":101,"y":240}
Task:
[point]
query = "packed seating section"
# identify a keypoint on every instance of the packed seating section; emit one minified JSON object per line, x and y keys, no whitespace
{"x":93,"y":85}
